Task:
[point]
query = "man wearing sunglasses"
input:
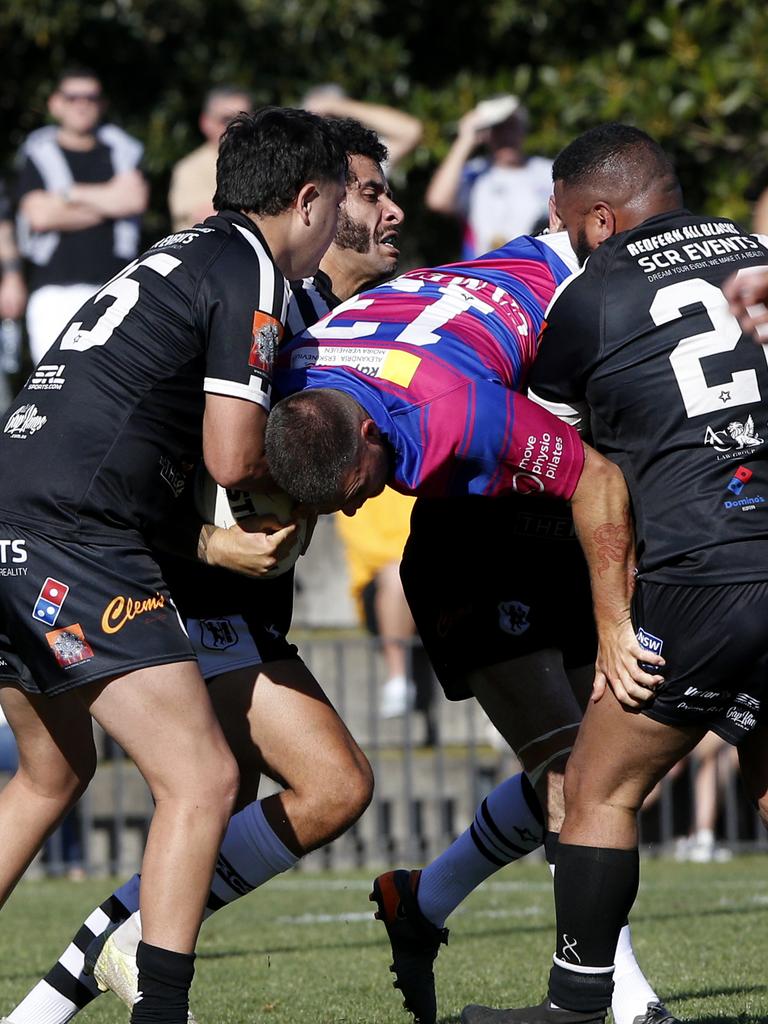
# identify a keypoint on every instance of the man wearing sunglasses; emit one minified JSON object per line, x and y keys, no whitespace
{"x":80,"y":194}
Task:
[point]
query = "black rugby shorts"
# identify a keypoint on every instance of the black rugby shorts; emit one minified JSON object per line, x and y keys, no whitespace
{"x":72,"y":613}
{"x":233,"y":621}
{"x":714,"y":640}
{"x":492,"y":579}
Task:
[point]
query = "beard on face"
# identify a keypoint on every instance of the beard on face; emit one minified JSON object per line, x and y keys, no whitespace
{"x":351,"y":234}
{"x":583,"y":249}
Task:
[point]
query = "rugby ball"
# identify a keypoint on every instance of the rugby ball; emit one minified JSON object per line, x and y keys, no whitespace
{"x":227,"y":506}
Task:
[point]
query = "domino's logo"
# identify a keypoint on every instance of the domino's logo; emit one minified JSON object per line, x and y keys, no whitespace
{"x":740,"y":477}
{"x":649,"y":642}
{"x":49,"y":601}
{"x":736,"y":485}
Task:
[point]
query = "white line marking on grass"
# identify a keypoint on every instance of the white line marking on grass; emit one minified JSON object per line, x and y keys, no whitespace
{"x":356,"y":884}
{"x":298,"y":884}
{"x":356,"y":917}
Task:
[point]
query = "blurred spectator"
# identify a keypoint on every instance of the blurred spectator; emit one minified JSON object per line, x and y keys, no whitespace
{"x":9,"y":754}
{"x":498,"y":196}
{"x":400,"y":133}
{"x":758,"y":193}
{"x":193,"y":180}
{"x":374,"y":539}
{"x":760,"y":220}
{"x":80,"y":196}
{"x":711,"y":762}
{"x":13,"y":299}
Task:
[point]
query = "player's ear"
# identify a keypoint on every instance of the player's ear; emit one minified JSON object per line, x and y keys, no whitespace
{"x":303,"y":203}
{"x":55,"y":103}
{"x":603,"y":220}
{"x":370,"y":431}
{"x":555,"y":222}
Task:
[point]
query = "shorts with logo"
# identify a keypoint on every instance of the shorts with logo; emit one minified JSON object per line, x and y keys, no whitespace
{"x":493,"y":579}
{"x":233,"y":621}
{"x":715,"y":643}
{"x":72,"y":613}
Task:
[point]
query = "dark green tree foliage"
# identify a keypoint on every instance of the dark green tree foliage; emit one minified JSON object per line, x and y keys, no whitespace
{"x":693,"y":74}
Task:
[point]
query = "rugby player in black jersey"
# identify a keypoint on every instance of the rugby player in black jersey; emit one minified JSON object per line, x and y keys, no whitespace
{"x":642,"y":342}
{"x":275,"y":715}
{"x":155,"y":370}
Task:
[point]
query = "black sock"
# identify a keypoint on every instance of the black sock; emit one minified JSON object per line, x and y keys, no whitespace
{"x":164,"y":980}
{"x":551,"y":839}
{"x":594,"y":891}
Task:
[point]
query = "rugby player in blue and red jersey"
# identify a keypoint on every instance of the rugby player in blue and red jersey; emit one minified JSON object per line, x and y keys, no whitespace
{"x":417,"y":384}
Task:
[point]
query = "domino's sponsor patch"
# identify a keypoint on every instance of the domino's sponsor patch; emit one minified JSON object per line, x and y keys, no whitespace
{"x":649,"y":642}
{"x":49,"y":601}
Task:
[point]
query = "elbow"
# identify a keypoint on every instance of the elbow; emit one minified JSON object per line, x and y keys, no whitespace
{"x":439,"y":204}
{"x":599,"y":475}
{"x":413,"y":132}
{"x":139,"y":203}
{"x":237,"y":473}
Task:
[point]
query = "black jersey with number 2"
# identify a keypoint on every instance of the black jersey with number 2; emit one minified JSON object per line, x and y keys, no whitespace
{"x":677,"y":395}
{"x":102,"y":436}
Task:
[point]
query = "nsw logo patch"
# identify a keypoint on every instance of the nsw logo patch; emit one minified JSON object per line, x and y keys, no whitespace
{"x":649,"y":642}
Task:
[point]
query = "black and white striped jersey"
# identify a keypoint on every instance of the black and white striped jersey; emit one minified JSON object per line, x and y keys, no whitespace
{"x":677,"y":396}
{"x":310,"y":300}
{"x":103,"y":436}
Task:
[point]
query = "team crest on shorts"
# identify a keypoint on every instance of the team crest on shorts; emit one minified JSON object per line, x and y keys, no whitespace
{"x":267,"y":333}
{"x":69,"y":645}
{"x":217,"y":634}
{"x":513,"y":617}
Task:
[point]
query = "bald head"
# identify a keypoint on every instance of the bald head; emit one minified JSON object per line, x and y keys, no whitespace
{"x":610,"y":179}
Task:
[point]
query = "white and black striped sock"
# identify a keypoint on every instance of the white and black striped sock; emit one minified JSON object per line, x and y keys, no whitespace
{"x":66,"y":989}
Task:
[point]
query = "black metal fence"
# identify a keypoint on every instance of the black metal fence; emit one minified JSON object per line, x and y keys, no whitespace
{"x":432,"y":765}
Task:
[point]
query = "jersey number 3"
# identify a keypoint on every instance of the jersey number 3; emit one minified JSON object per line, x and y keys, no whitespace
{"x":125,"y":292}
{"x":699,"y":397}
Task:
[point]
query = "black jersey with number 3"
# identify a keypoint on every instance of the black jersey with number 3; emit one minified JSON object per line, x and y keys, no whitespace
{"x":103,"y":435}
{"x":678,"y":396}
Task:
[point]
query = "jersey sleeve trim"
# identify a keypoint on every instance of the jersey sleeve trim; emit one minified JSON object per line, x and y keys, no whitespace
{"x":575,"y":415}
{"x":256,"y":390}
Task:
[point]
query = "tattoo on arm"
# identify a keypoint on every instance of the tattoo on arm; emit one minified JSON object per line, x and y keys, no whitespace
{"x":611,"y":544}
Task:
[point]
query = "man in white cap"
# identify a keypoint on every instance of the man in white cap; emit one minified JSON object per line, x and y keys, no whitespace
{"x":500,"y":195}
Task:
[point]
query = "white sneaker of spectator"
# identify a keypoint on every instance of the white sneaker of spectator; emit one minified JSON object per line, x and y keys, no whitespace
{"x":701,"y":848}
{"x":398,"y":695}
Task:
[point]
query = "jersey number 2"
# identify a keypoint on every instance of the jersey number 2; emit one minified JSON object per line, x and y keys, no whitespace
{"x":699,"y":397}
{"x":125,"y":292}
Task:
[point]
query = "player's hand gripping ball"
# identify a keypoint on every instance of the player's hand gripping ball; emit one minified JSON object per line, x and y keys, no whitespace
{"x":227,"y":507}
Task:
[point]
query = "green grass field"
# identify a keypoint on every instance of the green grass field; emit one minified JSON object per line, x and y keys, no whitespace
{"x":305,"y":948}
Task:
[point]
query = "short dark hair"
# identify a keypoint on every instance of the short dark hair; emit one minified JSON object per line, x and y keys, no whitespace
{"x":266,"y":157}
{"x":359,"y":140}
{"x":626,"y":156}
{"x":312,"y":440}
{"x":76,"y":71}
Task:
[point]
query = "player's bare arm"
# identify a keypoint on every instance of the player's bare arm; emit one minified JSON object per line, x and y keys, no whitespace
{"x":124,"y":195}
{"x":231,"y":464}
{"x":52,"y":211}
{"x":601,"y":516}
